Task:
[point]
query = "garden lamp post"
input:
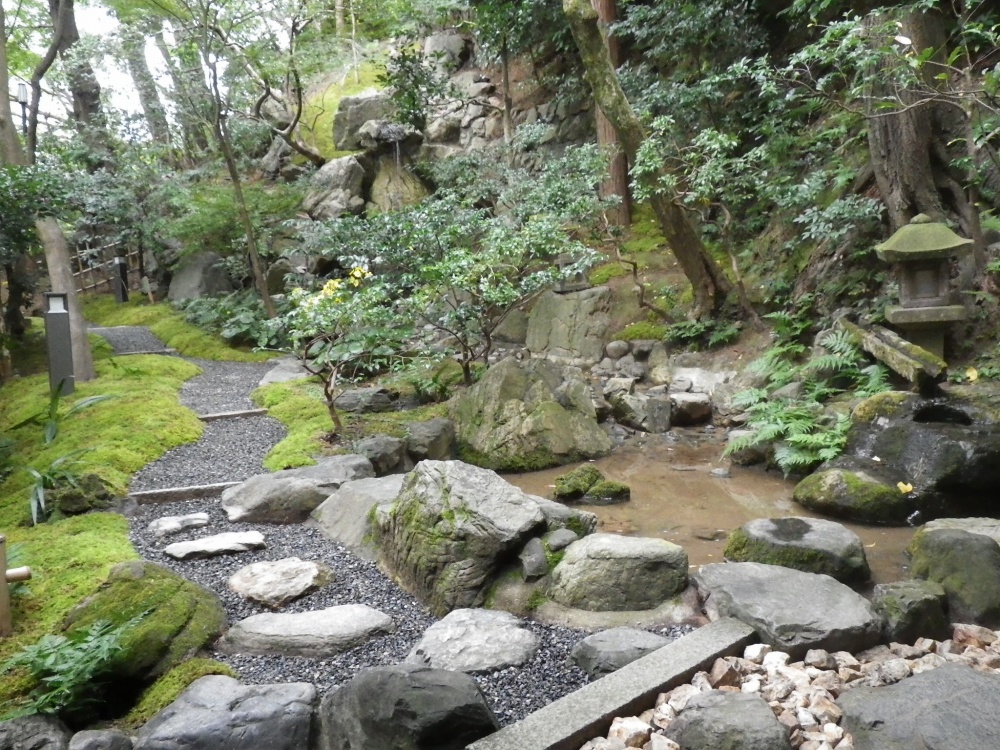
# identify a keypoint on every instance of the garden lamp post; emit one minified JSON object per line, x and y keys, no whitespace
{"x":59,"y":344}
{"x":22,"y":99}
{"x":120,"y":280}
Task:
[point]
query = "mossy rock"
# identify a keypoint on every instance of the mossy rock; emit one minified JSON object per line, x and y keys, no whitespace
{"x":911,"y":610}
{"x":167,"y":688}
{"x":574,"y":484}
{"x":888,"y":405}
{"x":608,"y":493}
{"x":179,"y":618}
{"x":90,"y":493}
{"x":853,"y":495}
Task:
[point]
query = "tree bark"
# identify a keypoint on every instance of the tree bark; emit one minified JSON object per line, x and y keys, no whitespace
{"x":709,"y":284}
{"x":607,"y":137}
{"x":57,"y":258}
{"x":190,"y":98}
{"x":134,"y":50}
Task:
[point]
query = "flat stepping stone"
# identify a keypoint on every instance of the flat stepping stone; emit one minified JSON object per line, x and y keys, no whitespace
{"x":212,"y":546}
{"x":274,"y":583}
{"x":168,"y":525}
{"x":318,"y":633}
{"x":610,"y":650}
{"x":475,"y":640}
{"x":790,"y":610}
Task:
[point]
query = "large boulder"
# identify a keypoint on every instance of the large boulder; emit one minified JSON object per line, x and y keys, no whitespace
{"x":395,"y":185}
{"x":607,"y":572}
{"x":985,"y":526}
{"x":452,"y":526}
{"x":911,"y":610}
{"x":849,"y":489}
{"x":36,"y":732}
{"x":447,"y":50}
{"x":433,"y":439}
{"x":289,"y":496}
{"x":952,"y":707}
{"x":790,"y":610}
{"x":642,"y":412}
{"x":810,"y":544}
{"x":100,"y":739}
{"x":528,"y":415}
{"x":570,"y":328}
{"x":218,"y":713}
{"x":405,"y":707}
{"x":475,"y":640}
{"x":174,"y":619}
{"x":968,"y":568}
{"x":345,"y":515}
{"x":719,"y":720}
{"x":387,"y":453}
{"x":353,"y":112}
{"x":609,"y":650}
{"x":200,"y":274}
{"x":336,"y":189}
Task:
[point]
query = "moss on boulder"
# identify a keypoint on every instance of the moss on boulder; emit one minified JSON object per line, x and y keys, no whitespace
{"x":574,"y":484}
{"x":165,"y":690}
{"x":180,"y":618}
{"x":608,"y":493}
{"x":89,"y":493}
{"x":888,"y":405}
{"x":853,"y":495}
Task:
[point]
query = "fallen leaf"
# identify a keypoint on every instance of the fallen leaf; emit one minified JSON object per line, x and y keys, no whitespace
{"x":904,"y":487}
{"x":972,"y":374}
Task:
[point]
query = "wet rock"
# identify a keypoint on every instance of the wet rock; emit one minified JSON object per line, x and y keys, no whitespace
{"x":475,"y":640}
{"x":911,"y":609}
{"x":574,"y":484}
{"x":855,"y":494}
{"x":717,"y":719}
{"x":609,"y":650}
{"x":608,"y":493}
{"x":642,"y":412}
{"x":690,"y":408}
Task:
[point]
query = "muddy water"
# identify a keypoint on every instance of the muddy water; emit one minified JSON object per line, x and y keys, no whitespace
{"x":676,"y":497}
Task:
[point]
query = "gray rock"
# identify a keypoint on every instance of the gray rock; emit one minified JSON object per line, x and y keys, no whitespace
{"x":218,"y":713}
{"x":446,"y":50}
{"x":345,"y":515}
{"x":285,"y":369}
{"x":34,"y":733}
{"x":627,"y":367}
{"x":560,"y":539}
{"x":813,"y":545}
{"x":528,"y":415}
{"x":276,"y":583}
{"x":168,"y":525}
{"x":911,"y":610}
{"x":755,"y":454}
{"x":719,"y":720}
{"x":318,"y":633}
{"x":200,"y":274}
{"x":616,"y":349}
{"x":642,"y":348}
{"x":475,"y":640}
{"x":405,"y":707}
{"x":604,"y":572}
{"x":336,"y":189}
{"x":277,"y":273}
{"x":479,"y":521}
{"x":433,"y":439}
{"x":228,"y":543}
{"x":513,"y":329}
{"x":277,"y":158}
{"x":534,"y":563}
{"x":790,"y":610}
{"x":100,"y":739}
{"x":353,"y":112}
{"x":443,"y":129}
{"x":952,"y":707}
{"x":570,"y":328}
{"x":985,"y":526}
{"x":559,"y":516}
{"x":289,"y":496}
{"x":642,"y":412}
{"x":691,"y":408}
{"x":967,"y":566}
{"x":609,"y":650}
{"x":364,"y":400}
{"x":387,"y":454}
{"x":618,"y":386}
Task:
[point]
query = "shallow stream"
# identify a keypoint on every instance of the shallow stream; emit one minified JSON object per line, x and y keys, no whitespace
{"x":676,"y":497}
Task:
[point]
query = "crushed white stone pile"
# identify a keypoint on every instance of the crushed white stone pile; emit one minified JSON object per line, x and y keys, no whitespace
{"x":803,"y":694}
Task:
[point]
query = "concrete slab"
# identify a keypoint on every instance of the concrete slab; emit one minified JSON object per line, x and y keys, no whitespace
{"x":572,"y":720}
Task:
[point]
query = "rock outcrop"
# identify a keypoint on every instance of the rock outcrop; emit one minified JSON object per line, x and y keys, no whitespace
{"x":570,"y":328}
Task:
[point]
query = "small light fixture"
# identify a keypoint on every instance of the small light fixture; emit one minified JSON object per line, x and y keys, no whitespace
{"x":55,"y":302}
{"x":59,"y":342}
{"x":22,"y":93}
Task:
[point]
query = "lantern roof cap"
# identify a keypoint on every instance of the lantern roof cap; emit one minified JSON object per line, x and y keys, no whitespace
{"x":922,"y":239}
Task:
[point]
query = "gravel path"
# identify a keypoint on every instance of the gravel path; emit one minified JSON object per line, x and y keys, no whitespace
{"x":129,"y":339}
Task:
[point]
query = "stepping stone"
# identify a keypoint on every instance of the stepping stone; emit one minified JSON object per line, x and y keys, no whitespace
{"x":275,"y":583}
{"x":790,"y":610}
{"x":168,"y":525}
{"x":610,"y":650}
{"x":319,"y":633}
{"x":220,"y":544}
{"x":475,"y":640}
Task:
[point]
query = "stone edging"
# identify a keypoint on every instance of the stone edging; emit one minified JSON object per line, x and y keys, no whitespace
{"x":232,"y":414}
{"x":569,"y":722}
{"x":178,"y":494}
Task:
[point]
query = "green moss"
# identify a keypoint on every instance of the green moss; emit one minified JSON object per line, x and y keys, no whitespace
{"x":846,"y":494}
{"x":306,"y":417}
{"x":165,"y":690}
{"x":319,"y":109}
{"x":644,"y":235}
{"x":536,"y":600}
{"x":608,"y":492}
{"x":169,"y":326}
{"x":603,"y":273}
{"x":641,"y":331}
{"x":886,"y":404}
{"x":742,"y":548}
{"x":531,"y":461}
{"x":577,"y":525}
{"x":553,"y":558}
{"x":574,"y":484}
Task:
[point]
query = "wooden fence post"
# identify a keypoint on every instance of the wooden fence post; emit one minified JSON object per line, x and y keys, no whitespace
{"x":8,"y":576}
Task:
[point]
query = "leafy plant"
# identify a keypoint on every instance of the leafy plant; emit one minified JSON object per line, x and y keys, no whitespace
{"x":57,"y":474}
{"x":699,"y":333}
{"x":435,"y":386}
{"x":68,"y":668}
{"x":53,"y":417}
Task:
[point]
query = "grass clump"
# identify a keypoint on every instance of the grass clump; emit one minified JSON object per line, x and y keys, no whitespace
{"x":169,"y":326}
{"x":165,"y":690}
{"x":642,"y":331}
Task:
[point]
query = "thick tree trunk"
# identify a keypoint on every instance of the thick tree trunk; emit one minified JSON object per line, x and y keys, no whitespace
{"x":190,"y":96}
{"x":607,"y":137}
{"x":708,"y":283}
{"x":134,"y":50}
{"x":56,"y":250}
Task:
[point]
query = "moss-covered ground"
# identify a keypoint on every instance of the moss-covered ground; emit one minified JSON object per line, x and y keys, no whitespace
{"x":321,"y":105}
{"x":169,"y":326}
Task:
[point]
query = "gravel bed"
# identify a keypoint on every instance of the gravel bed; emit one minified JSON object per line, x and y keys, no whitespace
{"x":223,"y":386}
{"x":129,"y":339}
{"x":513,"y":693}
{"x":230,"y":450}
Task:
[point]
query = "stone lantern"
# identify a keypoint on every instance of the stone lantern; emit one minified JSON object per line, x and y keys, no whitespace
{"x":921,"y":252}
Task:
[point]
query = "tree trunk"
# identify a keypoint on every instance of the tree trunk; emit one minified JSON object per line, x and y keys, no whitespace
{"x":134,"y":50}
{"x":339,"y":18}
{"x":617,"y":182}
{"x":708,"y":283}
{"x":508,"y":100}
{"x":189,"y":97}
{"x":56,"y":250}
{"x":18,"y":295}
